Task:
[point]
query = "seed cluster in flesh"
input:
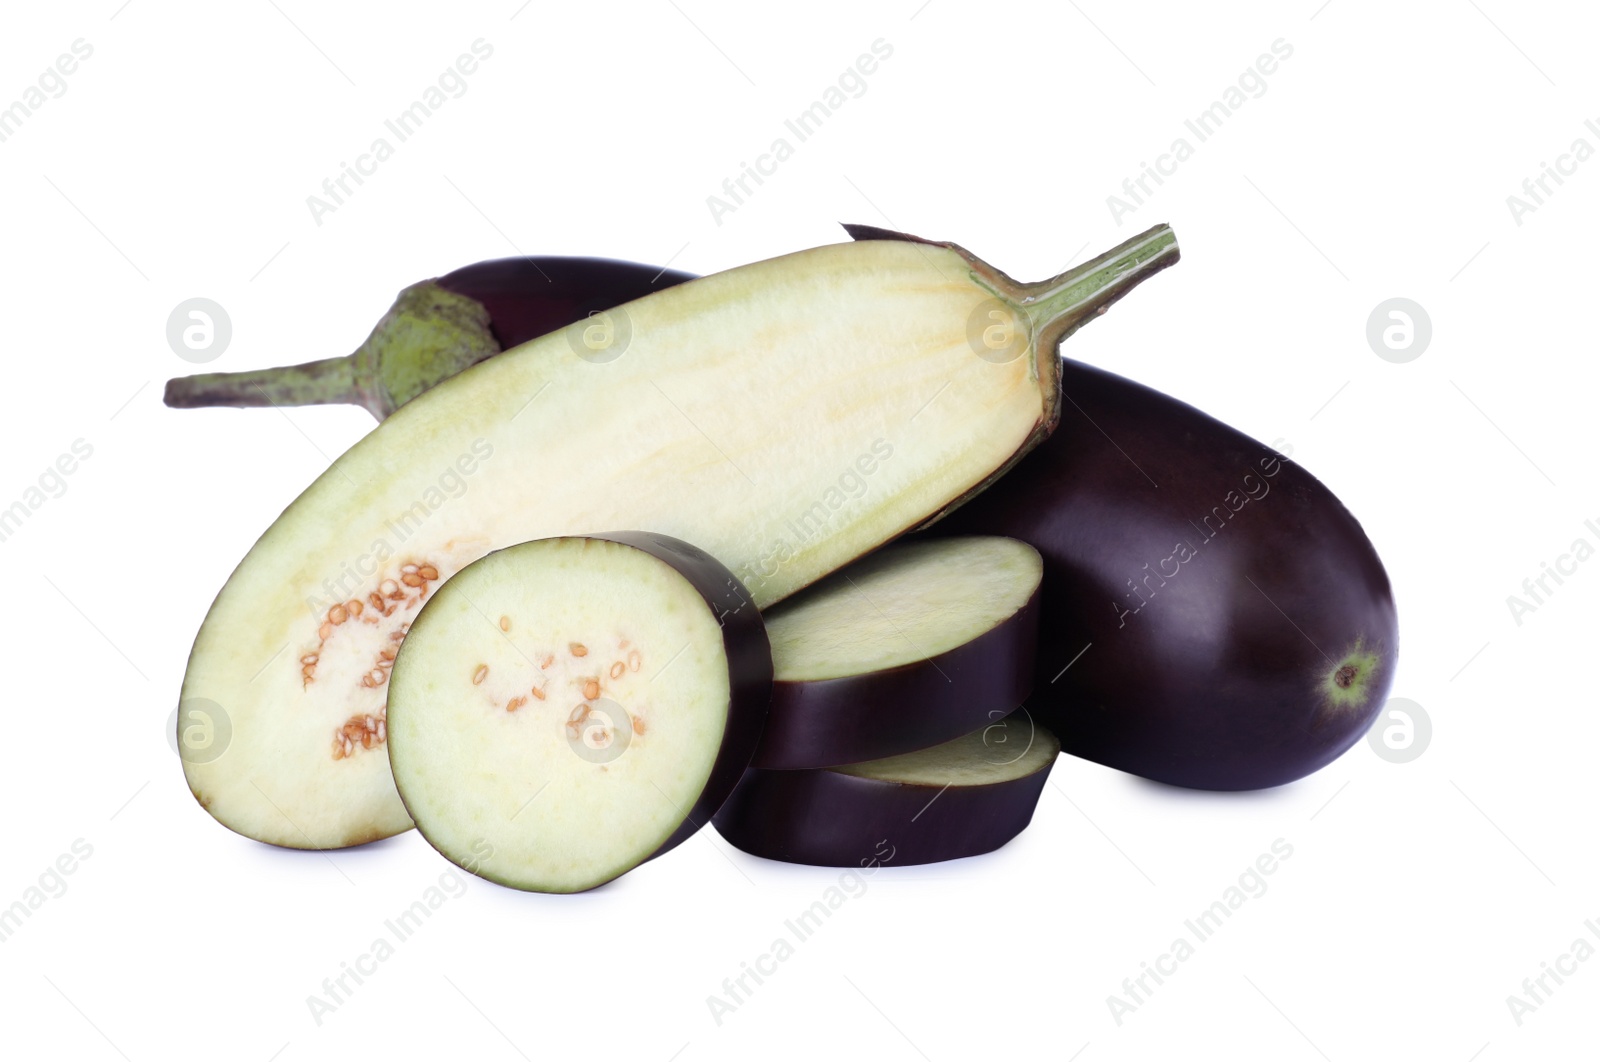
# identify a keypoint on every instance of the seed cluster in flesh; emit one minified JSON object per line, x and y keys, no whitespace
{"x":403,"y":592}
{"x":580,"y":681}
{"x":366,"y":731}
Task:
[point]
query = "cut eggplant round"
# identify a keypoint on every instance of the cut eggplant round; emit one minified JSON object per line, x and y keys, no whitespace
{"x":565,"y":709}
{"x":962,"y":798}
{"x":912,"y":646}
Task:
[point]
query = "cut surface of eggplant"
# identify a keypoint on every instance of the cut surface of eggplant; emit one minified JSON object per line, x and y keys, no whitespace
{"x":962,"y":798}
{"x":736,"y":411}
{"x":563,"y":710}
{"x":909,"y":647}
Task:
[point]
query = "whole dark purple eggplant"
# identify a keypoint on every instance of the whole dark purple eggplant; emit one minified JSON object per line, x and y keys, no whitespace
{"x":1213,"y":617}
{"x":436,"y":329}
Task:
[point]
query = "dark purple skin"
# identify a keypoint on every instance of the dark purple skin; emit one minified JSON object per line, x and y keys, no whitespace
{"x":1222,"y":670}
{"x":902,"y":709}
{"x":744,"y":640}
{"x":828,"y":819}
{"x":532,"y":296}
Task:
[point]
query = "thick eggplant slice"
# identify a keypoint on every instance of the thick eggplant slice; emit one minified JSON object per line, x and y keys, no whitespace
{"x":962,"y":798}
{"x":909,"y":647}
{"x":563,"y":710}
{"x":1213,"y":616}
{"x":737,"y":411}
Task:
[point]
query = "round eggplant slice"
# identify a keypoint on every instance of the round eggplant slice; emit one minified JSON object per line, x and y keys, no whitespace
{"x":912,"y":646}
{"x":962,"y":798}
{"x":565,"y":709}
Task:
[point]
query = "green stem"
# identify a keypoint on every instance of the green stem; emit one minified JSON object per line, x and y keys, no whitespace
{"x":1058,"y":307}
{"x":331,"y":381}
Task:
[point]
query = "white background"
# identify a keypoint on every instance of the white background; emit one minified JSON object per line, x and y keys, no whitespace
{"x":1376,"y":164}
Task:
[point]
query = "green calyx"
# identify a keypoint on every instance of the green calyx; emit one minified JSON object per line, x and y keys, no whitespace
{"x":429,"y":335}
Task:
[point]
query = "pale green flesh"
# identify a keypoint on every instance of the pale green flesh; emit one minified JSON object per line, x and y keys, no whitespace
{"x":907,"y":602}
{"x":505,"y":793}
{"x":1010,"y":748}
{"x":739,"y":418}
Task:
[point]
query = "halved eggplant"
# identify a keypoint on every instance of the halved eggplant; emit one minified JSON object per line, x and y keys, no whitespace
{"x":727,"y":411}
{"x":563,"y":710}
{"x":1212,"y":616}
{"x":909,"y":647}
{"x":962,"y":798}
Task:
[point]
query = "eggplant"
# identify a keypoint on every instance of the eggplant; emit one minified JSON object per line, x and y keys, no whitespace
{"x":1213,"y":616}
{"x":565,"y":709}
{"x":962,"y":798}
{"x":435,"y":329}
{"x":727,"y":413}
{"x":909,"y":647}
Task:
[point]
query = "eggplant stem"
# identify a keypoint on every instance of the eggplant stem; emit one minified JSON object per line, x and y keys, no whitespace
{"x":1058,"y":307}
{"x":429,"y":335}
{"x":331,"y":381}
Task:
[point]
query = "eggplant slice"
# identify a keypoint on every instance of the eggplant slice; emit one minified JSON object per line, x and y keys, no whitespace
{"x":565,"y":709}
{"x":962,"y":798}
{"x":912,"y":646}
